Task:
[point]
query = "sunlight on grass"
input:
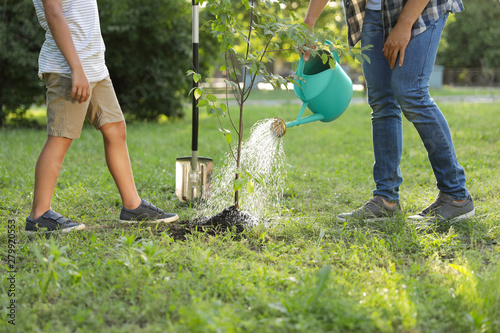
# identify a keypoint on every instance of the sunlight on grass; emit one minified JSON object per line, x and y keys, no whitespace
{"x":302,"y":272}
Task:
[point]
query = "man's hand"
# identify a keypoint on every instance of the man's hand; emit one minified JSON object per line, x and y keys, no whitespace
{"x":307,"y":52}
{"x":80,"y":86}
{"x":400,"y":35}
{"x":395,"y":44}
{"x":314,"y":10}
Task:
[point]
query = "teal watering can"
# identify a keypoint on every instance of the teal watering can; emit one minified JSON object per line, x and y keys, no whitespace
{"x":325,"y":91}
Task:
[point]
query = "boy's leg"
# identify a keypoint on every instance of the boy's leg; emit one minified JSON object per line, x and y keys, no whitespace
{"x":106,"y":115}
{"x":118,"y":161}
{"x":47,"y":170}
{"x":65,"y":118}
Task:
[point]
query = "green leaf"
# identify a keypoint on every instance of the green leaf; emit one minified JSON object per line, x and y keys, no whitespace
{"x":332,"y":63}
{"x":239,"y":183}
{"x":202,"y":103}
{"x":196,"y":77}
{"x":219,"y":111}
{"x":211,"y":98}
{"x":259,"y":179}
{"x":250,"y":187}
{"x":367,"y":58}
{"x":324,"y":58}
{"x":359,"y":58}
{"x":254,"y":68}
{"x":197,"y":93}
{"x":228,"y":137}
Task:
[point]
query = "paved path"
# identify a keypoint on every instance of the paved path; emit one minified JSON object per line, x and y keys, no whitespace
{"x":363,"y":100}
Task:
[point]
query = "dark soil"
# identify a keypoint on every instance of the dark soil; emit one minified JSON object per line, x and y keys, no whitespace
{"x":229,"y":219}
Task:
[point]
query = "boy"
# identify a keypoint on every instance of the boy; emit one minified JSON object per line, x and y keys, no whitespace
{"x":72,"y":65}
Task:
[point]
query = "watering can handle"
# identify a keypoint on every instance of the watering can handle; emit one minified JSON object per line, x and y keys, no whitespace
{"x":300,"y":68}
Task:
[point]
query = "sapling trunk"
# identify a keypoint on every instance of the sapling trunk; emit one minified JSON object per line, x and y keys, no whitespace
{"x":238,"y":161}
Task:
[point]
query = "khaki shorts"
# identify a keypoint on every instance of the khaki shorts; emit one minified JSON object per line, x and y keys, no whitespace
{"x":65,"y":117}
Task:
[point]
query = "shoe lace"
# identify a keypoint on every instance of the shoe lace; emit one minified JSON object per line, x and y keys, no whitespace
{"x":155,"y":209}
{"x":433,"y":206}
{"x":369,"y":206}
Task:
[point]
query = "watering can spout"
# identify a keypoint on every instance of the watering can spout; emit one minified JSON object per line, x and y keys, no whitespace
{"x":278,"y":125}
{"x":305,"y":120}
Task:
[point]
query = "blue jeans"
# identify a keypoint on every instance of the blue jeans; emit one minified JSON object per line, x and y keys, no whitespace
{"x":406,"y":89}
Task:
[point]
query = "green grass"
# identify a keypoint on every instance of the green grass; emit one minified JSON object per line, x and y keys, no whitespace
{"x":304,"y":273}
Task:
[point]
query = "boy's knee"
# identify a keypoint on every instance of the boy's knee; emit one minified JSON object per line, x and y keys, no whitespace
{"x":115,"y":131}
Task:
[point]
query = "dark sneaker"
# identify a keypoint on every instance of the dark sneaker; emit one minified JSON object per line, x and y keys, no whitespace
{"x":373,"y":210}
{"x":51,"y":221}
{"x":444,"y":208}
{"x":146,"y":212}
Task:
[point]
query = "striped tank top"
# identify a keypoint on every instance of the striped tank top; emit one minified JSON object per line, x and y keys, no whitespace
{"x":83,"y":20}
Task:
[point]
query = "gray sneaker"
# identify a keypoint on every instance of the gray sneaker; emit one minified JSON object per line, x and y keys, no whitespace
{"x":444,"y":208}
{"x":146,"y":212}
{"x":373,"y":210}
{"x":49,"y":222}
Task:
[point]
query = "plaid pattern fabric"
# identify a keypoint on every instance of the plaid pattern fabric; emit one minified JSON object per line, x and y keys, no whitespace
{"x":355,"y":13}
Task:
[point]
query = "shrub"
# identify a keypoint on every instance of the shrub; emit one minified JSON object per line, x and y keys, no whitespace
{"x":20,"y":40}
{"x":471,"y":39}
{"x":148,"y":52}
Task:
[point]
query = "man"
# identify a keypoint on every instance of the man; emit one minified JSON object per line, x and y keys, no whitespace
{"x":405,"y":36}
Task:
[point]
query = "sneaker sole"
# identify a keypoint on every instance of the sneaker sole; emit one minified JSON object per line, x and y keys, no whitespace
{"x":417,"y":219}
{"x":76,"y":227}
{"x":376,"y":219}
{"x":165,"y":220}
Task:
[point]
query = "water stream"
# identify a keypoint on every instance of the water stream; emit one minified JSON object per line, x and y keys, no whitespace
{"x":262,"y":153}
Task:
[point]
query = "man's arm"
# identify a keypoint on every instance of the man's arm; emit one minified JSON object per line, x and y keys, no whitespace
{"x":400,"y":35}
{"x":314,"y":10}
{"x":62,"y":36}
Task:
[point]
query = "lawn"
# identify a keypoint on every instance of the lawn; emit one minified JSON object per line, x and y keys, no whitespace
{"x":304,"y":272}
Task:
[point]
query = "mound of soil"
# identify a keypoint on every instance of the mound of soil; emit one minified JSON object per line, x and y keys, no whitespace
{"x":229,"y":217}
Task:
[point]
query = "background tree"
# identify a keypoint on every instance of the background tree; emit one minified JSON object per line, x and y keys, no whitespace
{"x":20,"y":40}
{"x":148,"y":49}
{"x":472,"y":38}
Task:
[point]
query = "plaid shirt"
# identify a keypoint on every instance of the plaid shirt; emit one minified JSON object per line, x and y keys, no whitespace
{"x":355,"y":13}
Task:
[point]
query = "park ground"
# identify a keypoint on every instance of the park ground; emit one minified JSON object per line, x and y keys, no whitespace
{"x":304,"y":272}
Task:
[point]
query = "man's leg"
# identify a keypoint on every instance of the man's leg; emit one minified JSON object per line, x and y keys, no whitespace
{"x":411,"y":87}
{"x":386,"y":127}
{"x":387,"y":130}
{"x":47,"y":170}
{"x":118,"y":161}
